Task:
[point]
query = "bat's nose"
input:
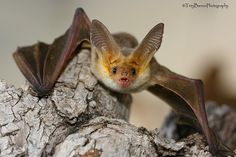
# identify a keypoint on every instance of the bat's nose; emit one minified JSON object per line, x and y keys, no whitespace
{"x":125,"y":73}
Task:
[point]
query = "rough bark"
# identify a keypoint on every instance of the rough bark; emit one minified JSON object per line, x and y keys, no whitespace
{"x":222,"y":119}
{"x":80,"y":118}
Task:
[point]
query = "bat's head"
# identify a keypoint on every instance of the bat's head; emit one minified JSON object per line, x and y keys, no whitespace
{"x":123,"y":69}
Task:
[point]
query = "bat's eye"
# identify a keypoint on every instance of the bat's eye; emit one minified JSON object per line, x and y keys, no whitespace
{"x":133,"y":71}
{"x":113,"y":70}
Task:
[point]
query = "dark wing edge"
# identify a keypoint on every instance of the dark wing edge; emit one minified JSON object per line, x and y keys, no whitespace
{"x":30,"y":61}
{"x":63,"y":47}
{"x":186,"y":97}
{"x":42,"y":64}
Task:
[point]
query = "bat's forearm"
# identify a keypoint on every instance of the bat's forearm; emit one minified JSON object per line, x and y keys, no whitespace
{"x":186,"y":97}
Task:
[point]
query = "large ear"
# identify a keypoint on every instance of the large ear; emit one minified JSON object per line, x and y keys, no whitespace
{"x":147,"y":48}
{"x":103,"y":42}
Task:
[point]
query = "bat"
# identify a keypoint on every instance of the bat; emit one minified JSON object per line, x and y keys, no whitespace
{"x":42,"y":64}
{"x":122,"y":65}
{"x":128,"y":68}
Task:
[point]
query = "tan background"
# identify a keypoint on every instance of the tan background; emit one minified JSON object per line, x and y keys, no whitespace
{"x":193,"y":37}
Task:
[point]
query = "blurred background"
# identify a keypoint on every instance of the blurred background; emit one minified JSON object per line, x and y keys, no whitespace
{"x":198,"y":42}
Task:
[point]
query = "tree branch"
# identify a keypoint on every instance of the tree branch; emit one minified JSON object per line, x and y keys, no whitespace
{"x":80,"y":118}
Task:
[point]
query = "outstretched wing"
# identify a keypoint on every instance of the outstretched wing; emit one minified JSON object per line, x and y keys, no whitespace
{"x":42,"y":64}
{"x":30,"y":60}
{"x":63,"y":47}
{"x":186,"y":97}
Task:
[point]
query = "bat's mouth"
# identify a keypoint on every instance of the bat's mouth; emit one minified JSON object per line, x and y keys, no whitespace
{"x":124,"y":82}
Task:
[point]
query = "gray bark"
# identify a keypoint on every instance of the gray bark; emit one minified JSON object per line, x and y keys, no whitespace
{"x":221,"y":118}
{"x":80,"y":118}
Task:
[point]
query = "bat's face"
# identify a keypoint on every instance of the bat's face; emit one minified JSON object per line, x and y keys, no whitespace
{"x":123,"y":70}
{"x":121,"y":76}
